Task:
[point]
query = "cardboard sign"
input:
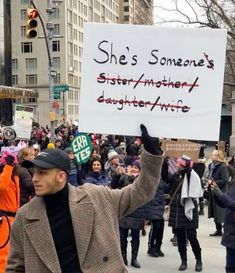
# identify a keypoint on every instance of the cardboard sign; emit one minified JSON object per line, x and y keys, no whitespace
{"x":169,"y":79}
{"x":82,"y":148}
{"x":175,"y":149}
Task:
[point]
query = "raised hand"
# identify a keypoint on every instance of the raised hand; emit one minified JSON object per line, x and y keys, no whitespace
{"x":151,"y":144}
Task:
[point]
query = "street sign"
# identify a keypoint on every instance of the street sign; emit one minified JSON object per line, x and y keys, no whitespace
{"x":56,"y":95}
{"x":61,"y":88}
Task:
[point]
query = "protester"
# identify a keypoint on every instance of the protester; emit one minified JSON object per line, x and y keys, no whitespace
{"x":97,"y":174}
{"x":112,"y":164}
{"x":227,"y":200}
{"x":75,"y":169}
{"x":186,"y":190}
{"x":133,"y":222}
{"x":75,"y":229}
{"x":219,"y":173}
{"x":36,"y":149}
{"x":9,"y":203}
{"x":153,"y":211}
{"x":25,"y":175}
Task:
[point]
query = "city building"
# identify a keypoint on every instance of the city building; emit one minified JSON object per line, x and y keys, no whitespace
{"x":136,"y":12}
{"x":5,"y":60}
{"x":29,"y":56}
{"x":30,"y":60}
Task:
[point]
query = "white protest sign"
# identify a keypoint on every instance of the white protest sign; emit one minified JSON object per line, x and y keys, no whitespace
{"x":169,"y":79}
{"x":23,"y":121}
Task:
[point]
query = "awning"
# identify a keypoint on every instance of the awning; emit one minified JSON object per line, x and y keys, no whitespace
{"x":8,"y":92}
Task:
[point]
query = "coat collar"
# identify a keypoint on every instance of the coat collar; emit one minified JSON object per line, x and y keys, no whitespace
{"x":38,"y":228}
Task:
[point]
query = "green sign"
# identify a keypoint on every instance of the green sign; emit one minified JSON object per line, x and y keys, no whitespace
{"x":82,"y":148}
{"x":56,"y":95}
{"x":61,"y":88}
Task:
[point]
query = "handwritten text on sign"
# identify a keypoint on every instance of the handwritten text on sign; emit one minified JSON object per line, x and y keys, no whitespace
{"x":169,"y":79}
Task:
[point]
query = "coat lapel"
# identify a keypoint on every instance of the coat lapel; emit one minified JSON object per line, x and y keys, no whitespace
{"x":38,"y":230}
{"x":82,"y":214}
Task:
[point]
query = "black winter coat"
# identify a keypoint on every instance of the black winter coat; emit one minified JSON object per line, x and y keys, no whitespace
{"x":228,"y":201}
{"x":26,"y":184}
{"x":135,"y":220}
{"x":154,"y":209}
{"x":177,"y":217}
{"x":221,"y":177}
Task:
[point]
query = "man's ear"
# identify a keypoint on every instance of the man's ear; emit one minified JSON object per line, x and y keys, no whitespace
{"x":62,"y":176}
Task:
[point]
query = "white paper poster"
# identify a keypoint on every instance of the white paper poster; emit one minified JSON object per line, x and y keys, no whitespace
{"x":169,"y":79}
{"x":23,"y":121}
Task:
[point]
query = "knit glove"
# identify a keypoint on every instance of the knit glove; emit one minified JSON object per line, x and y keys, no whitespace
{"x":151,"y":144}
{"x":9,"y":160}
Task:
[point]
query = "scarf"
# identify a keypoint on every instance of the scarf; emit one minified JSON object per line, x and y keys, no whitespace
{"x":190,"y":190}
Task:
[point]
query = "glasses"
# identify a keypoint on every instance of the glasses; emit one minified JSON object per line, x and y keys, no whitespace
{"x":36,"y":150}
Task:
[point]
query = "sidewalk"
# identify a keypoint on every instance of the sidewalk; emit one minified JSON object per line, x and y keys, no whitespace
{"x":213,"y":254}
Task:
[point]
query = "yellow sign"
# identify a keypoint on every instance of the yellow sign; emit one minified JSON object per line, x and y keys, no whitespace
{"x":7,"y":92}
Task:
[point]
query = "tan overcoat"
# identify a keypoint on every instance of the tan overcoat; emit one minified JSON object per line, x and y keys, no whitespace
{"x":95,"y":211}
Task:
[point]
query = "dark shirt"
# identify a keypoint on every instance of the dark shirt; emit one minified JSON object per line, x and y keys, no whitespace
{"x":57,"y":207}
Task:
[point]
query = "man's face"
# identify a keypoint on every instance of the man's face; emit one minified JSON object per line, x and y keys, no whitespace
{"x":48,"y":181}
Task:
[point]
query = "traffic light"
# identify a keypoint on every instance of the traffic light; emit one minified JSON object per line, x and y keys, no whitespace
{"x":32,"y":23}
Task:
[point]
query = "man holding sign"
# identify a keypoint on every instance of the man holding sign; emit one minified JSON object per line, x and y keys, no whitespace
{"x":64,"y":228}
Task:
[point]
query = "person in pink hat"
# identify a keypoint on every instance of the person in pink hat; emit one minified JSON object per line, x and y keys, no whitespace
{"x":185,"y":193}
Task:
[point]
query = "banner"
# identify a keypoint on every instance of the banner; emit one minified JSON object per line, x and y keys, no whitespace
{"x":170,"y":79}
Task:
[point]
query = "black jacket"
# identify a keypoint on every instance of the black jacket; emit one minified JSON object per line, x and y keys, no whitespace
{"x":177,"y":217}
{"x":228,"y":201}
{"x":26,"y":184}
{"x":155,"y":208}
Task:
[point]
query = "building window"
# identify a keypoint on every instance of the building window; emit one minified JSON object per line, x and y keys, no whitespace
{"x":56,"y":46}
{"x":126,"y":18}
{"x":70,"y":79}
{"x":26,"y":47}
{"x":31,"y":63}
{"x":56,"y":30}
{"x":24,"y":2}
{"x":70,"y":109}
{"x":33,"y":100}
{"x":14,"y":64}
{"x":14,"y":79}
{"x":31,"y":79}
{"x":23,"y":31}
{"x":75,"y":65}
{"x":23,"y":14}
{"x":80,"y":51}
{"x":57,"y":78}
{"x":56,"y":62}
{"x":75,"y":81}
{"x":56,"y":13}
{"x":126,"y":8}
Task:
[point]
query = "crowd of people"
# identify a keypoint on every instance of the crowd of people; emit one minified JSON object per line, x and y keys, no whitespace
{"x":126,"y":183}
